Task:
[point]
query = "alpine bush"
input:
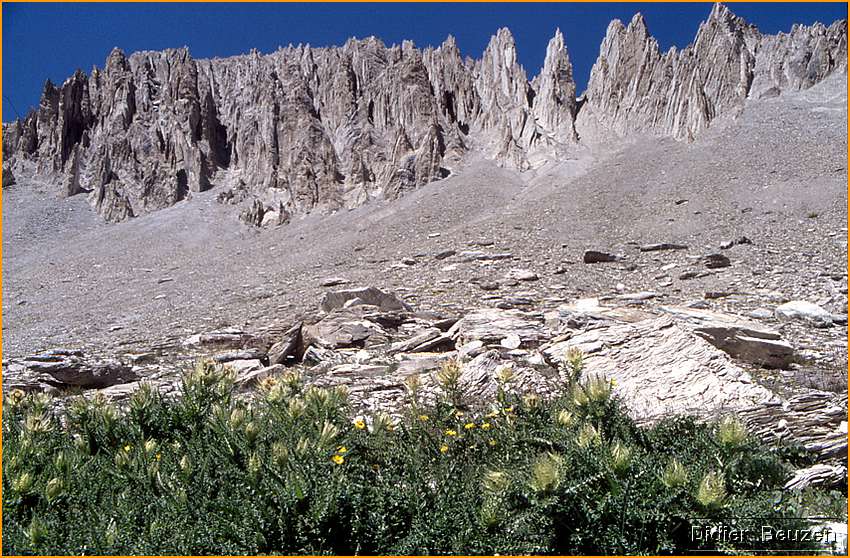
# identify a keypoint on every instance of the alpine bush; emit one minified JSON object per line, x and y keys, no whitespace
{"x":292,"y":470}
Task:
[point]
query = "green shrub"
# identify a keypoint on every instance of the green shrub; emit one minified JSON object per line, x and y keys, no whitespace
{"x":293,"y":471}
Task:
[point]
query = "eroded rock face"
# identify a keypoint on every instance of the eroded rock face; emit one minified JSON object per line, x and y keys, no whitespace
{"x":634,"y":87}
{"x":308,"y":129}
{"x":8,"y":177}
{"x":799,"y":59}
{"x":555,"y":91}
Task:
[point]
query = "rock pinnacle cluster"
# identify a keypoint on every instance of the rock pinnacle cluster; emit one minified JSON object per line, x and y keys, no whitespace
{"x":308,"y":129}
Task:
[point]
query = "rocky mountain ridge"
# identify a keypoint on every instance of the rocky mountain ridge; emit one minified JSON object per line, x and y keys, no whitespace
{"x":309,"y":129}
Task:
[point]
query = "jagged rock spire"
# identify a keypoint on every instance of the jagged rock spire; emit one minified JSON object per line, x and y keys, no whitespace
{"x":315,"y":129}
{"x":555,"y":97}
{"x":633,"y":87}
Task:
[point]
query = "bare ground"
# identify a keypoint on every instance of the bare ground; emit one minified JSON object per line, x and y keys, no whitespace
{"x":777,"y":175}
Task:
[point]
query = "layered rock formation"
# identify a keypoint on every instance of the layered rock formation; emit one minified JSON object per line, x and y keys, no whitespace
{"x":318,"y":129}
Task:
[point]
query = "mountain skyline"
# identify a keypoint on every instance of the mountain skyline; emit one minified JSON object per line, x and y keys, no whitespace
{"x":319,"y":129}
{"x":52,"y":41}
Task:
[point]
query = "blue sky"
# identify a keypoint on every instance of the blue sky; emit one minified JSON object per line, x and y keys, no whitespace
{"x":43,"y":41}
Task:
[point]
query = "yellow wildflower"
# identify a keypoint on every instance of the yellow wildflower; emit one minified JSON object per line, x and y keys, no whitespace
{"x":509,"y":409}
{"x":469,"y":425}
{"x":492,"y":442}
{"x":342,"y":449}
{"x":451,"y":432}
{"x":444,"y":448}
{"x":359,"y":424}
{"x":338,"y":459}
{"x":485,"y":426}
{"x":423,"y":418}
{"x":613,"y":382}
{"x":128,"y":447}
{"x":158,"y":456}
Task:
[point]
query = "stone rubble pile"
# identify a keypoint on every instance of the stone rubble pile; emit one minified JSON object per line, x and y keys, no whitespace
{"x":665,"y":360}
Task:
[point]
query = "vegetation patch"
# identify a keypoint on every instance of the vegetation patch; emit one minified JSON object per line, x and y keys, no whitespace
{"x":292,"y":470}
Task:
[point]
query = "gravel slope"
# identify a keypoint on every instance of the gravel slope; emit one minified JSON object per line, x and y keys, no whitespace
{"x":777,"y":175}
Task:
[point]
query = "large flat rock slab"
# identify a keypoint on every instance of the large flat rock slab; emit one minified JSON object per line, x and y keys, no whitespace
{"x":661,"y":368}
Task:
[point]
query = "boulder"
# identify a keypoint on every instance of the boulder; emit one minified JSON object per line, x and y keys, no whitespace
{"x":716,"y":261}
{"x":244,"y":354}
{"x":804,"y":311}
{"x":390,"y":320}
{"x":367,"y":295}
{"x":342,"y":330}
{"x":63,"y":368}
{"x":249,"y":376}
{"x":420,"y":342}
{"x":421,"y":363}
{"x":742,"y":339}
{"x":662,"y":368}
{"x":122,"y":392}
{"x":478,"y":378}
{"x":595,"y":256}
{"x":491,"y":325}
{"x":290,"y":347}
